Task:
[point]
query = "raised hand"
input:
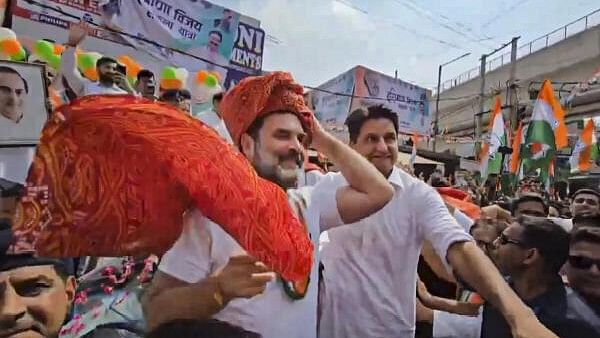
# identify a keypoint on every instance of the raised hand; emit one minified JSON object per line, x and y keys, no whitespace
{"x":77,"y":33}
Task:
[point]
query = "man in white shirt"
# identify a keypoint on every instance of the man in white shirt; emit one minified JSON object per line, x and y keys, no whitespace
{"x":370,"y":268}
{"x":110,"y":79}
{"x":214,"y":120}
{"x":207,"y":274}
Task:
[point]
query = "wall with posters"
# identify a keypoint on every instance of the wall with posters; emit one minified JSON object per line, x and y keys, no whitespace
{"x":226,"y":40}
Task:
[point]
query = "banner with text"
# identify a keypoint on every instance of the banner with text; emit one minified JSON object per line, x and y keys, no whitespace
{"x":410,"y":102}
{"x":331,"y":102}
{"x":202,"y":29}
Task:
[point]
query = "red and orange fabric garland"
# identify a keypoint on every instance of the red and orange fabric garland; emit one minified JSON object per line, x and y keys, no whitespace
{"x":113,"y":175}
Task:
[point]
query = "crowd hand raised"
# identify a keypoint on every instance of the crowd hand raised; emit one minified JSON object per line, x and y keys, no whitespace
{"x":77,"y":33}
{"x":243,"y":277}
{"x":495,"y":212}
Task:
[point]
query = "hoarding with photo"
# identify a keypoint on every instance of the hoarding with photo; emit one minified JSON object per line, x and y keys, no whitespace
{"x":410,"y":102}
{"x":23,"y":111}
{"x":186,"y":26}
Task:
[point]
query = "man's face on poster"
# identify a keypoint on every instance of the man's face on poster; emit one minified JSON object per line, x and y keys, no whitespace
{"x":214,"y":42}
{"x":227,"y":15}
{"x":12,"y":96}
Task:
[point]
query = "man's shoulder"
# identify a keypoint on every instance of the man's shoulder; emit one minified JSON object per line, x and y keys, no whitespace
{"x":578,"y":308}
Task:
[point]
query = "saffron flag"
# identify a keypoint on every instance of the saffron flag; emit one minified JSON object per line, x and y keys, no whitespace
{"x":515,"y":158}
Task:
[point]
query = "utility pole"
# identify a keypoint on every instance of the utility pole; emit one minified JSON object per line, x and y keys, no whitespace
{"x":437,"y":98}
{"x":481,"y":105}
{"x":512,"y":87}
{"x":479,"y":117}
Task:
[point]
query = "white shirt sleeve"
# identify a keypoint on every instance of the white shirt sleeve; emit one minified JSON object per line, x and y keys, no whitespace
{"x":463,"y":220}
{"x":68,"y":69}
{"x":435,"y":222}
{"x":324,"y":198}
{"x":189,"y":258}
{"x":451,"y":325}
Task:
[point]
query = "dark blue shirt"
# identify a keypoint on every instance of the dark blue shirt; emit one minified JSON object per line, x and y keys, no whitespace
{"x":551,"y":309}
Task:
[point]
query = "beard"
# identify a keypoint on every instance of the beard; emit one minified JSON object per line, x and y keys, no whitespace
{"x":105,"y":78}
{"x":286,"y":178}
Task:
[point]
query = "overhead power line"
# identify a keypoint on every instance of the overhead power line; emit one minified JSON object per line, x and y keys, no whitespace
{"x":503,"y":12}
{"x":401,"y":27}
{"x":461,"y":25}
{"x":423,"y":13}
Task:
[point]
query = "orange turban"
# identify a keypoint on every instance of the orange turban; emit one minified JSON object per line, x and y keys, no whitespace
{"x":260,"y":95}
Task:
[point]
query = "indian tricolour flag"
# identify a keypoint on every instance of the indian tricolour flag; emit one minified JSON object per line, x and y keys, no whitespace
{"x":515,"y":167}
{"x":484,"y":157}
{"x":547,"y":131}
{"x":586,"y":149}
{"x":497,"y":138}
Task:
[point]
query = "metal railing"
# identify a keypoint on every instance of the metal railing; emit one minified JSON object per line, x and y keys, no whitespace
{"x":557,"y":35}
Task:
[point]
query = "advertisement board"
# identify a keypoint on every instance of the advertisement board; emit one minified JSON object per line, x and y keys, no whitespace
{"x":224,"y":39}
{"x":410,"y":102}
{"x":331,"y":102}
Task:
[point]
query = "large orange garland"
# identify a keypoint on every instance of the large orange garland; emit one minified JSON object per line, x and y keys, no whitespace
{"x":114,"y":174}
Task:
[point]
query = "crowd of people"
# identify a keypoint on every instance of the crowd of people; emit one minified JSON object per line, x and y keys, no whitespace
{"x":395,"y":256}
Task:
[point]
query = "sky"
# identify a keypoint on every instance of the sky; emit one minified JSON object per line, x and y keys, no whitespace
{"x":317,"y":40}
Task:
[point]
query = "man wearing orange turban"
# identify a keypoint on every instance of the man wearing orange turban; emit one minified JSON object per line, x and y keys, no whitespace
{"x":207,"y":274}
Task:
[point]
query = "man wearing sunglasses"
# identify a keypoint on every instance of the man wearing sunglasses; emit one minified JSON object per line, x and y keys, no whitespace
{"x":531,"y":252}
{"x":583,"y":272}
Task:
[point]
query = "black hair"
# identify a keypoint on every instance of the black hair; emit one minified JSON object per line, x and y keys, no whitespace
{"x":173,"y":94}
{"x":550,"y":239}
{"x":104,"y":60}
{"x":217,"y":97}
{"x":439,"y":182}
{"x":11,"y":189}
{"x":586,"y":234}
{"x":15,"y":261}
{"x":357,"y":119}
{"x":586,"y":191}
{"x":191,"y":328}
{"x":258,"y":123}
{"x":145,"y":73}
{"x":5,"y":69}
{"x":217,"y":33}
{"x":529,"y":198}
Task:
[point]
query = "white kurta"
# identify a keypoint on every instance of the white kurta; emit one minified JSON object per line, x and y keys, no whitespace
{"x":204,"y":247}
{"x":369,"y":280}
